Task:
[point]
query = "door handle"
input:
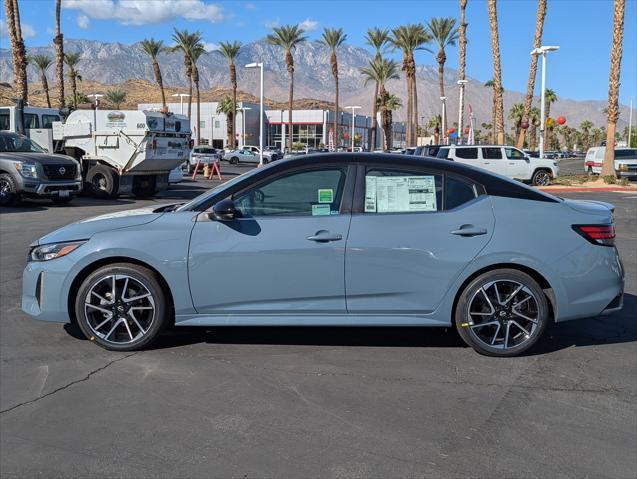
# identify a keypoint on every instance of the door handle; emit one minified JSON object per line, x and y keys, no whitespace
{"x":469,"y":230}
{"x":487,"y":162}
{"x":324,"y":236}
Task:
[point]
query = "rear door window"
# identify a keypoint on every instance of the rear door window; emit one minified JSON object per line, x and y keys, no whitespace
{"x":492,"y":153}
{"x":467,"y":153}
{"x":458,"y":192}
{"x":402,"y":191}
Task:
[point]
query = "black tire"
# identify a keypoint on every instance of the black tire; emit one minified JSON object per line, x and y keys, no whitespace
{"x":144,"y":186}
{"x":62,"y":201}
{"x":234,"y":160}
{"x":541,"y":178}
{"x":138,"y":274}
{"x":8,"y":191}
{"x":481,"y":338}
{"x":102,"y":181}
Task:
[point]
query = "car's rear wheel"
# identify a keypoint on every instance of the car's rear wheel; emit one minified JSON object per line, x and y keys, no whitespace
{"x":541,"y":178}
{"x":502,"y":313}
{"x":121,"y":307}
{"x":103,"y":182}
{"x":234,"y":160}
{"x":8,"y":190}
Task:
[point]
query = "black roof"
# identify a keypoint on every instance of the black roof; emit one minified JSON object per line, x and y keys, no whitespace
{"x":494,"y":184}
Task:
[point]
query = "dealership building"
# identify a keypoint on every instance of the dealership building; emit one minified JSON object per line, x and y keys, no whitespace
{"x":313,"y":128}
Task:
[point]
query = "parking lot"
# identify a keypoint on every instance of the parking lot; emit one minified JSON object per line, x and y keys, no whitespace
{"x":310,"y":402}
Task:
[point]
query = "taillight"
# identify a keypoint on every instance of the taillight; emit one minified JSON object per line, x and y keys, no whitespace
{"x":597,"y":234}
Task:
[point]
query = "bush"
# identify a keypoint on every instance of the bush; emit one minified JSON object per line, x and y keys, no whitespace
{"x":624,"y":182}
{"x":610,"y":179}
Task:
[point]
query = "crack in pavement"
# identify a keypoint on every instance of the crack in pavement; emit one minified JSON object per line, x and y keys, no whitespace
{"x":66,"y":386}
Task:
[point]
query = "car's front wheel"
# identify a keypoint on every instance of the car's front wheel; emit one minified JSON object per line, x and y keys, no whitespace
{"x":541,"y":178}
{"x":8,"y":190}
{"x":122,"y":307}
{"x":502,"y":313}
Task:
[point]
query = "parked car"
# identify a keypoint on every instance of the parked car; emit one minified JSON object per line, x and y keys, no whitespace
{"x":427,"y":150}
{"x":504,"y":160}
{"x":625,"y":161}
{"x":26,"y":169}
{"x":204,"y":155}
{"x":235,"y":157}
{"x":268,"y":155}
{"x":532,"y":153}
{"x":352,"y":239}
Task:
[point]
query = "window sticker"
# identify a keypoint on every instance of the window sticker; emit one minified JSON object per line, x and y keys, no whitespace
{"x":400,"y":194}
{"x":325,"y":196}
{"x":321,"y":210}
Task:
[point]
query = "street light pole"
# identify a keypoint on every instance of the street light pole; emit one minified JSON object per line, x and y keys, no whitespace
{"x":353,"y":122}
{"x":543,"y":51}
{"x":461,"y":83}
{"x":181,"y":102}
{"x":260,"y":67}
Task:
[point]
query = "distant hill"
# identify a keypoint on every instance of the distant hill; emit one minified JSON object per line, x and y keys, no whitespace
{"x":127,"y":65}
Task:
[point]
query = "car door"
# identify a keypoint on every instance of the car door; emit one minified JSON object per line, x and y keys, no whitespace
{"x":493,"y":160}
{"x":517,"y":164}
{"x":415,"y":234}
{"x":284,"y":254}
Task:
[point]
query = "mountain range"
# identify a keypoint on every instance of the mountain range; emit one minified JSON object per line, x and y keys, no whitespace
{"x":116,"y":63}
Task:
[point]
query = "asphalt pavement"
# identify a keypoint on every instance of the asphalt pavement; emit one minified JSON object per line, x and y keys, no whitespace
{"x":311,"y":402}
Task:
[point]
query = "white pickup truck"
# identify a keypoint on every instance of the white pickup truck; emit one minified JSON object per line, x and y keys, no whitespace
{"x":125,"y":151}
{"x":625,"y":161}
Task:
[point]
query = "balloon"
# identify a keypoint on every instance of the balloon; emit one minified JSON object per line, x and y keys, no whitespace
{"x":549,"y":121}
{"x":451,"y":130}
{"x":561,"y":120}
{"x":524,"y":125}
{"x":346,"y":135}
{"x":466,"y":131}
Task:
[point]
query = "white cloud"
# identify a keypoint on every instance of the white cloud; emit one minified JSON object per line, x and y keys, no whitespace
{"x":210,"y":46}
{"x":83,"y":21}
{"x":142,"y":12}
{"x":27,"y":30}
{"x":309,"y":25}
{"x":250,"y":6}
{"x":271,"y":23}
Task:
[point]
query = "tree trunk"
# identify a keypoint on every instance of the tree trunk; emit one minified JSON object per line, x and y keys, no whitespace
{"x":537,"y":42}
{"x":372,"y":146}
{"x":45,"y":86}
{"x":190,"y":99}
{"x":74,"y":90}
{"x":608,"y":167}
{"x":18,"y":52}
{"x":59,"y":55}
{"x":497,"y":73}
{"x":196,"y":81}
{"x":441,"y":58}
{"x":160,"y":82}
{"x":229,"y":130}
{"x":414,"y":137}
{"x":233,"y":81}
{"x":462,"y":45}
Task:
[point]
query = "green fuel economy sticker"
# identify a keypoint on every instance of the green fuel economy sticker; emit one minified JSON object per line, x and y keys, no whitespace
{"x":325,"y":196}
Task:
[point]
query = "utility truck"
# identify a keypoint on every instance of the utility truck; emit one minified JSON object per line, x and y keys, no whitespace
{"x":125,"y":151}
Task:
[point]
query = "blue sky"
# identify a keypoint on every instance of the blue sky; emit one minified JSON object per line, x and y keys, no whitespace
{"x":582,"y":28}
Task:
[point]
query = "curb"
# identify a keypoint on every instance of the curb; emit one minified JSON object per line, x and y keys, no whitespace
{"x":589,"y":190}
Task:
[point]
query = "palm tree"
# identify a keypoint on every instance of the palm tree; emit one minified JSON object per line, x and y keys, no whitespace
{"x":43,"y":62}
{"x":334,"y":38}
{"x":116,"y":97}
{"x":537,"y":42}
{"x":516,"y":113}
{"x":586,"y":126}
{"x":434,"y":123}
{"x":288,"y":37}
{"x":153,"y":48}
{"x":197,"y":49}
{"x":549,"y":98}
{"x":608,"y":167}
{"x":497,"y":74}
{"x":462,"y":41}
{"x":444,"y":33}
{"x":377,"y":38}
{"x":392,"y":103}
{"x":231,"y":51}
{"x":226,"y":106}
{"x":381,"y":72}
{"x":18,"y":50}
{"x":409,"y":38}
{"x":184,"y":43}
{"x":58,"y":40}
{"x":491,"y":84}
{"x":71,"y":60}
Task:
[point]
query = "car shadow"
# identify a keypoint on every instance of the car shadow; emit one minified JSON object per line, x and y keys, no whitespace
{"x":617,"y":328}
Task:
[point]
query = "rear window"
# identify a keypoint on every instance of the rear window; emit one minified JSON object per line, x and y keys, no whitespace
{"x":492,"y":153}
{"x":467,"y":153}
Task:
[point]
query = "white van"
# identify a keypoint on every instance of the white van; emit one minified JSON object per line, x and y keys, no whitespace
{"x":504,"y":160}
{"x":625,"y":161}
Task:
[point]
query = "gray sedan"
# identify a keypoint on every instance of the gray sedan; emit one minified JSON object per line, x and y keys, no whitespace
{"x":336,"y":239}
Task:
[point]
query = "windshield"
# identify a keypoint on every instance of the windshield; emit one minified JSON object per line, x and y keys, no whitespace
{"x":631,"y":153}
{"x":199,"y":199}
{"x":18,"y":143}
{"x":205,"y":150}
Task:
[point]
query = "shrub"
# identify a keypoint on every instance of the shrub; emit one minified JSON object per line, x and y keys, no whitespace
{"x":610,"y":179}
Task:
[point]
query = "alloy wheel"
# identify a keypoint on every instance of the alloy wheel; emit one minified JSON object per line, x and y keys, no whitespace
{"x":503,"y":314}
{"x":5,"y":191}
{"x":542,"y":178}
{"x":119,"y":309}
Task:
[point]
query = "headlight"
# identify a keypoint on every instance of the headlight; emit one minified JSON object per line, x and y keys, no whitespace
{"x":623,"y":167}
{"x":27,"y":170}
{"x":52,"y":251}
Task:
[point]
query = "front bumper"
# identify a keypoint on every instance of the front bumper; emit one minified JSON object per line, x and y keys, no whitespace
{"x":50,"y":188}
{"x":44,"y":290}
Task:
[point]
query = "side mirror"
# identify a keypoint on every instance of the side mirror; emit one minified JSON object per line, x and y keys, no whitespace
{"x":225,"y":210}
